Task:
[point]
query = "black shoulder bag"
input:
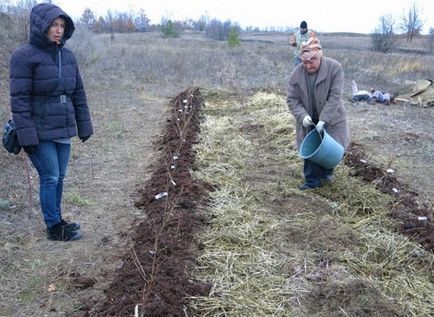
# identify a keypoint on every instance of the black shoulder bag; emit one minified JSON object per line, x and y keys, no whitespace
{"x":10,"y":138}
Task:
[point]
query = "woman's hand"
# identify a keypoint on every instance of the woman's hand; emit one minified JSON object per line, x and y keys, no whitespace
{"x":84,"y":138}
{"x":30,"y":149}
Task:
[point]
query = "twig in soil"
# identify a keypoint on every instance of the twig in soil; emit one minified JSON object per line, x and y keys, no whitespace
{"x":138,"y":265}
{"x":343,"y":311}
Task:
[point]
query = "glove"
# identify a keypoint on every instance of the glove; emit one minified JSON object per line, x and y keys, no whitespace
{"x":30,"y":149}
{"x":320,"y":126}
{"x":85,"y":138}
{"x":307,"y":121}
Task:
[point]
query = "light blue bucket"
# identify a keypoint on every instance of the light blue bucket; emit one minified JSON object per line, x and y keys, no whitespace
{"x":322,"y":149}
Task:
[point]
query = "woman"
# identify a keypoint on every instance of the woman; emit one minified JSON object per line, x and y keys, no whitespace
{"x":315,"y":99}
{"x":49,"y":107}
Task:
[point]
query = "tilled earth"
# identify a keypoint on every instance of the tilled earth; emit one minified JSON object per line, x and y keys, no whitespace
{"x":155,"y":271}
{"x":154,"y":278}
{"x":414,"y":217}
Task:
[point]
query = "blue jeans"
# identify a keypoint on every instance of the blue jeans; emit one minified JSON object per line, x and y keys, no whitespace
{"x":51,"y":161}
{"x":314,"y":173}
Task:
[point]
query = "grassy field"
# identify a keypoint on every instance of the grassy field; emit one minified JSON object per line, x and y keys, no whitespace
{"x":269,"y":250}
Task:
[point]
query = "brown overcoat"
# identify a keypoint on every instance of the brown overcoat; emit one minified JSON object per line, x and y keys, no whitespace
{"x":328,"y":95}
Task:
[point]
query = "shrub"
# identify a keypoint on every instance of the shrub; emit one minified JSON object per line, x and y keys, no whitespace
{"x":168,"y":29}
{"x":234,"y":37}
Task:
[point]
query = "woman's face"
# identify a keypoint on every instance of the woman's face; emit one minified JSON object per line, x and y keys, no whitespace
{"x":56,"y":30}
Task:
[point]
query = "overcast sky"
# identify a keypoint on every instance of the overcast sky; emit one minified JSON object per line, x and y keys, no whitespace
{"x":321,"y":15}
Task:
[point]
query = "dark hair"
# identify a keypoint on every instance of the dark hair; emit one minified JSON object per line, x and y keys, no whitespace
{"x":303,"y":25}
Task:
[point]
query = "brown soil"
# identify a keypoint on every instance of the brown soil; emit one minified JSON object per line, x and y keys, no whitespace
{"x":414,"y":216}
{"x":155,"y":274}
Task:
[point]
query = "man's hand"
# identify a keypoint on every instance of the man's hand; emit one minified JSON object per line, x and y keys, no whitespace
{"x":307,"y":121}
{"x":320,"y":126}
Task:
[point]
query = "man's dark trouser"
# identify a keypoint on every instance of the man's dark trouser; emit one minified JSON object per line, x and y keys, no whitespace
{"x":314,"y":173}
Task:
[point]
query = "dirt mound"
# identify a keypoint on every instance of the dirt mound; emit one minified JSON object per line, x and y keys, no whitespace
{"x":414,"y":216}
{"x":155,"y":272}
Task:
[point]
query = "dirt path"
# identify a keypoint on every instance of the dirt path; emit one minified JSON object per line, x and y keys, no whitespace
{"x":41,"y":277}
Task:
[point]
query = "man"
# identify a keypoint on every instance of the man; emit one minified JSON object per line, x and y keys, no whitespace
{"x":302,"y":35}
{"x":315,"y":100}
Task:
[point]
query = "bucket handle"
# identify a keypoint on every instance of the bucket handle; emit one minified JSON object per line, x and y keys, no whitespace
{"x":320,"y":135}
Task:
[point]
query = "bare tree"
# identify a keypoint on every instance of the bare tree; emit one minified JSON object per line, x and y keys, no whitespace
{"x":218,"y":30}
{"x":88,"y":18}
{"x":110,"y":20}
{"x":20,"y":13}
{"x":201,"y":23}
{"x":142,"y":21}
{"x":6,"y":39}
{"x":411,"y":22}
{"x":384,"y":38}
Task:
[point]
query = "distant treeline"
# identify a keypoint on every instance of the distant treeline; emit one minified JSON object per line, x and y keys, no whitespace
{"x":128,"y":22}
{"x":14,"y":17}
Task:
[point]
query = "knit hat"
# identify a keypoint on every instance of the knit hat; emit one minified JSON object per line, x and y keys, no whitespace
{"x":311,"y":48}
{"x":303,"y":25}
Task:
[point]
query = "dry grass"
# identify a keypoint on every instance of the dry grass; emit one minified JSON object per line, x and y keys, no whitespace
{"x":268,"y":246}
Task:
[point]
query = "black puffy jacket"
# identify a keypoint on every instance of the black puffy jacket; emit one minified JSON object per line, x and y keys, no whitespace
{"x":36,"y":82}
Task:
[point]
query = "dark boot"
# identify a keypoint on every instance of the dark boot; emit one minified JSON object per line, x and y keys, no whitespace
{"x":72,"y":226}
{"x":306,"y":187}
{"x":60,"y":233}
